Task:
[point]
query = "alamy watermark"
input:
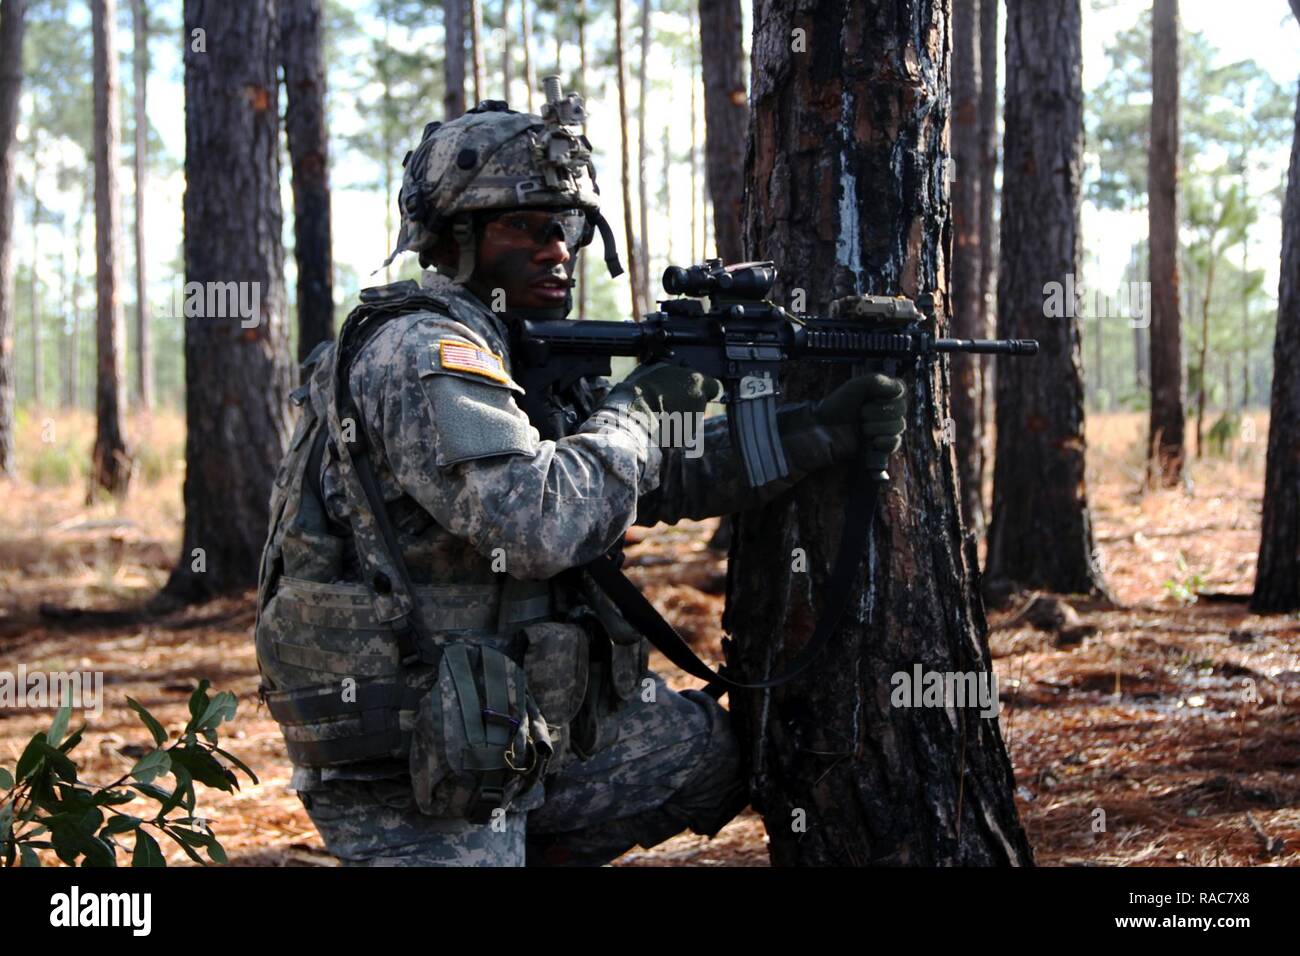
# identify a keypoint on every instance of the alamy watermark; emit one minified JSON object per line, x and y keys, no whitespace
{"x":922,"y":688}
{"x":84,"y":690}
{"x":1068,"y":300}
{"x":215,"y":300}
{"x":683,"y":430}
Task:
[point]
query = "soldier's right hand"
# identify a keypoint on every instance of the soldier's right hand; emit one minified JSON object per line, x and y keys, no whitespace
{"x":660,"y":387}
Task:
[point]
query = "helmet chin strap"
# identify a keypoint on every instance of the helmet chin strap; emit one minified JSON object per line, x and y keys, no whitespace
{"x":463,"y":232}
{"x":607,"y":240}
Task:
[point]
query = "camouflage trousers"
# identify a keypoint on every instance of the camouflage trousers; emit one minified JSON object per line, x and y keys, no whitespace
{"x":675,"y":765}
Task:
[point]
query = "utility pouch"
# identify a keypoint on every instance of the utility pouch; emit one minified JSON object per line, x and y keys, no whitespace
{"x":479,"y":739}
{"x":557,"y":666}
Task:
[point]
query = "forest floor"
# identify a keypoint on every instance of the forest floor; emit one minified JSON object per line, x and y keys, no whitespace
{"x":1164,"y":732}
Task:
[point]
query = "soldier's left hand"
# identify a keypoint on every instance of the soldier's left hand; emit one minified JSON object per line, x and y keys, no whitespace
{"x":876,"y":404}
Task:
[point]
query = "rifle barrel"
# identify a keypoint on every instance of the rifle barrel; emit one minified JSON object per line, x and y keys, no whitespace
{"x":988,"y":346}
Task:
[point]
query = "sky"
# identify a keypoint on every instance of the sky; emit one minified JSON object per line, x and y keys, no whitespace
{"x":1253,"y":29}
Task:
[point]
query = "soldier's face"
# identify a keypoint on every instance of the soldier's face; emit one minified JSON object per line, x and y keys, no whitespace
{"x":524,"y":258}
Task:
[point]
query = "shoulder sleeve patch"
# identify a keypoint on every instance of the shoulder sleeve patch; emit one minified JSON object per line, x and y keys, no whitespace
{"x":464,"y":357}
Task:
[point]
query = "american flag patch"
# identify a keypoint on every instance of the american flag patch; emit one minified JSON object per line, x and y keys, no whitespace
{"x":463,"y":357}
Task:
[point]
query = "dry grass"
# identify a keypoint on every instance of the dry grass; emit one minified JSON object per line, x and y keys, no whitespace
{"x":1147,"y":720}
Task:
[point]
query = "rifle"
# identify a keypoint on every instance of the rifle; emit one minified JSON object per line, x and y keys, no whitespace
{"x":742,"y":339}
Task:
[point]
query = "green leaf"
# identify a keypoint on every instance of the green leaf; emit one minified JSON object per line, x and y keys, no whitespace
{"x":192,"y":837}
{"x":60,"y":726}
{"x":221,"y":707}
{"x":205,"y":768}
{"x":6,"y":779}
{"x":151,"y":765}
{"x":238,"y":763}
{"x":153,"y":792}
{"x":63,"y":767}
{"x":147,"y":852}
{"x":98,"y":852}
{"x":111,"y":798}
{"x":120,"y":824}
{"x":73,"y":739}
{"x":189,"y":850}
{"x":198,"y":702}
{"x":184,"y":785}
{"x":29,"y":856}
{"x":216,"y":853}
{"x":31,"y":758}
{"x":150,"y":721}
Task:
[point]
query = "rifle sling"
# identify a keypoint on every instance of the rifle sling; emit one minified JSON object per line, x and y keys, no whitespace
{"x":641,"y":614}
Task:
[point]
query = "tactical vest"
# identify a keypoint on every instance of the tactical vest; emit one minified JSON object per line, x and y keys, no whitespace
{"x":481,"y":688}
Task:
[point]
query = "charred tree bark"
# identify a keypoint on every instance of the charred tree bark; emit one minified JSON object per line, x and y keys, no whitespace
{"x":302,"y":54}
{"x":110,"y":461}
{"x":968,"y":261}
{"x":845,"y":167}
{"x":726,"y":119}
{"x":236,"y":369}
{"x":144,"y":379}
{"x":1277,"y":582}
{"x":12,"y":27}
{"x":1165,"y":451}
{"x":453,"y":64}
{"x":988,"y":198}
{"x":1040,"y":534}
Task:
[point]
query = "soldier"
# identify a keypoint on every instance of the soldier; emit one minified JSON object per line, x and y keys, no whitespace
{"x":452,"y":688}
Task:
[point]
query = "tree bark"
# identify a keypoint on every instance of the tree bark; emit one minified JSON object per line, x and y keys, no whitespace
{"x":110,"y":461}
{"x":845,"y":161}
{"x":476,"y":47}
{"x":301,"y":53}
{"x":1277,"y":580}
{"x":1165,"y":452}
{"x":237,"y":378}
{"x":1040,"y":534}
{"x":12,"y":26}
{"x":989,"y":101}
{"x":633,"y":257}
{"x":144,"y":378}
{"x":507,"y":69}
{"x":642,"y":152}
{"x":529,"y":80}
{"x":726,"y":119}
{"x":968,"y":260}
{"x":34,"y":284}
{"x":453,"y":64}
{"x":695,"y":189}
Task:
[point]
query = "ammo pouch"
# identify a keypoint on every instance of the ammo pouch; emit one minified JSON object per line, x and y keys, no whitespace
{"x":556,"y":665}
{"x":479,"y":738}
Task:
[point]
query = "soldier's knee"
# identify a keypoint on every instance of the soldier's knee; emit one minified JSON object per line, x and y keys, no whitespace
{"x":719,"y":787}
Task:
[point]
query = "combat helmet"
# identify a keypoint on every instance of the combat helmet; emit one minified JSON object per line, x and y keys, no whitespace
{"x":494,"y":157}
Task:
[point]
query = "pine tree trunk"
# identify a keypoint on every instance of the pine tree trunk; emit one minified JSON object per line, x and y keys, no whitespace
{"x":301,"y":53}
{"x":476,"y":47}
{"x":237,"y":373}
{"x":506,"y":66}
{"x":968,"y":261}
{"x":642,"y":151}
{"x":632,"y":255}
{"x":453,"y":65}
{"x":726,"y":119}
{"x":12,"y":25}
{"x":110,"y":461}
{"x":989,"y":101}
{"x":1040,"y":533}
{"x":1277,"y":582}
{"x":530,"y":80}
{"x":840,"y":775}
{"x":144,"y":379}
{"x":692,"y":40}
{"x":1165,"y":451}
{"x":34,"y":290}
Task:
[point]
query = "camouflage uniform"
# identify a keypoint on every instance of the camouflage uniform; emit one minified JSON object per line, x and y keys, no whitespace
{"x":490,"y":519}
{"x":469,"y":482}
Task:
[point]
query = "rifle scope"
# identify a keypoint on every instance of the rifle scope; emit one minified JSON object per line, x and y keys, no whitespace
{"x":744,"y":280}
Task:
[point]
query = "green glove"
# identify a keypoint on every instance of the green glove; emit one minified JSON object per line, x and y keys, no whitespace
{"x":661,"y":387}
{"x":877,"y":405}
